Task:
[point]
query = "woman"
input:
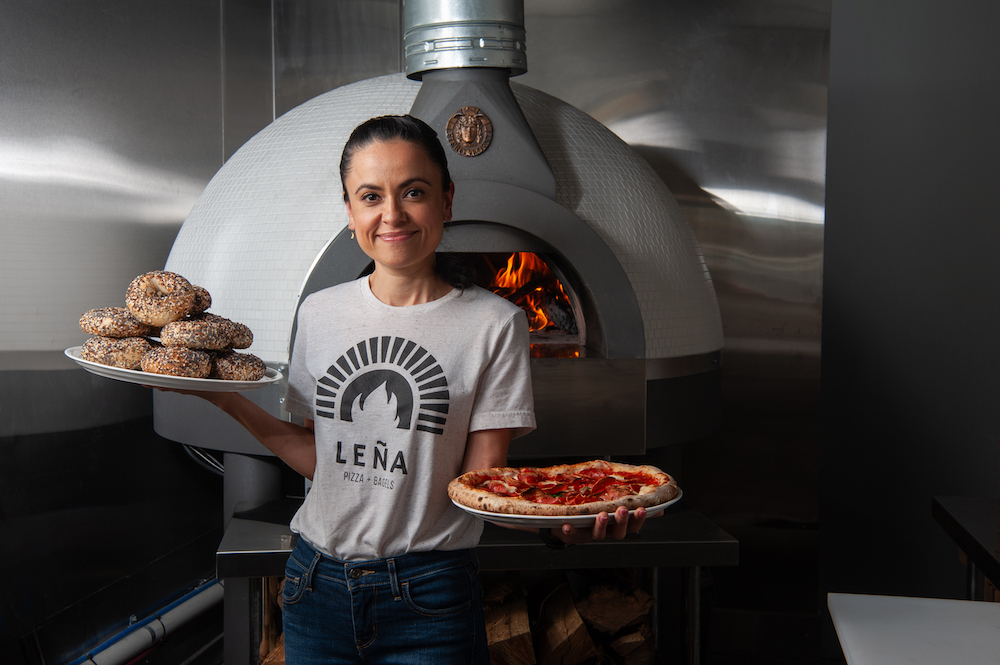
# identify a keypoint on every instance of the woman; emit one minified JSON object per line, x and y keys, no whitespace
{"x":404,"y":380}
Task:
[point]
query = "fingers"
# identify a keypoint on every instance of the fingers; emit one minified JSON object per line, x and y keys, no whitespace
{"x":614,"y":526}
{"x":617,"y":525}
{"x":638,"y":519}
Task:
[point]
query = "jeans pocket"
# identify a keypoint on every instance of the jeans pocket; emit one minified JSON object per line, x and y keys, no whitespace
{"x":441,"y":593}
{"x":295,"y":584}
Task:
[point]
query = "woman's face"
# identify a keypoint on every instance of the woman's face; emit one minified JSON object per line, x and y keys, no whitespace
{"x":397,"y":206}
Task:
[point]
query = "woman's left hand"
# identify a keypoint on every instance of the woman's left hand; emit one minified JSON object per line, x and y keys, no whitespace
{"x":613,"y":526}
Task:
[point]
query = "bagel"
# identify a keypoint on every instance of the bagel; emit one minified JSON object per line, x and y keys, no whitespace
{"x":240,"y":336}
{"x":113,"y":322}
{"x":202,"y":299}
{"x":122,"y":352}
{"x":156,"y":298}
{"x":195,"y":334}
{"x":234,"y":366}
{"x":177,"y":361}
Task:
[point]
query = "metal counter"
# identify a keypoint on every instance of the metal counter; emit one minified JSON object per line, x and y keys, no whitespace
{"x":257,"y":543}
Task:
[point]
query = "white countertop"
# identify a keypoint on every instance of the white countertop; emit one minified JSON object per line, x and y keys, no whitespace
{"x":886,"y":630}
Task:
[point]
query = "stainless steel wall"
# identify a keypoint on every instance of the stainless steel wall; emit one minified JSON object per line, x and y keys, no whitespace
{"x":110,"y":125}
{"x":111,"y":128}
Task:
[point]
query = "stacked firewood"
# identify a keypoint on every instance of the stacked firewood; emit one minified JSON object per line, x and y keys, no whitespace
{"x":272,"y":640}
{"x":555,"y":622}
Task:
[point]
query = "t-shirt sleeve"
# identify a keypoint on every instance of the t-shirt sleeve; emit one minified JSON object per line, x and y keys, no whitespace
{"x":301,"y":386}
{"x":504,"y":399}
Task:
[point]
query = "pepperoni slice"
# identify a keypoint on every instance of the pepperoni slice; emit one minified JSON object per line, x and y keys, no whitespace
{"x":499,"y":487}
{"x":603,"y":484}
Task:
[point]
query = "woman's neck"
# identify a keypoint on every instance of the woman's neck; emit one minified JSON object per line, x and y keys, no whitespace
{"x":399,"y":290}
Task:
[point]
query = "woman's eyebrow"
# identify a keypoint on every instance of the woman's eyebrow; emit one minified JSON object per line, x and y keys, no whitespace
{"x":405,"y":183}
{"x":372,"y":187}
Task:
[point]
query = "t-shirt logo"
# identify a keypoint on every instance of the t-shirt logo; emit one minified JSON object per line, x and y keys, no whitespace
{"x":383,"y":372}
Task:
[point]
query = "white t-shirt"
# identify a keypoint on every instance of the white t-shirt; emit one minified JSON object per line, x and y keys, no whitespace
{"x":394,"y":392}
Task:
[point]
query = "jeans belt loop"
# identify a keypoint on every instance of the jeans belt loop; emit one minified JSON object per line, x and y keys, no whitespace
{"x":394,"y":580}
{"x":312,"y":570}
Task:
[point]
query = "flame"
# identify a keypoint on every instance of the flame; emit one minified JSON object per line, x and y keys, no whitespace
{"x":379,"y":409}
{"x":528,"y":282}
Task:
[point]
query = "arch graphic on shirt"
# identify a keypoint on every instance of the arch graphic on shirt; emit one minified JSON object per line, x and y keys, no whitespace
{"x":387,"y":361}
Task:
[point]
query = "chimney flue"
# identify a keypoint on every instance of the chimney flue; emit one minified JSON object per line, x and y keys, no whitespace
{"x":454,"y":34}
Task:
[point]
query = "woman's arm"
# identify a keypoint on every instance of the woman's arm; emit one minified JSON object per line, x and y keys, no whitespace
{"x":293,"y":444}
{"x":486,"y":449}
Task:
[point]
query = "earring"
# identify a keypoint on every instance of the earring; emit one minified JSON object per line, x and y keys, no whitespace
{"x":352,"y":235}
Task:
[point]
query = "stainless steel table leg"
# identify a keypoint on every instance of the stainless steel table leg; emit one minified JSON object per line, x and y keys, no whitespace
{"x":975,"y":581}
{"x":692,"y":613}
{"x":242,"y":620}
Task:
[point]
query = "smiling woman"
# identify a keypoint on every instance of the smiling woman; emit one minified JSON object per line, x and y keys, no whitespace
{"x":398,"y":194}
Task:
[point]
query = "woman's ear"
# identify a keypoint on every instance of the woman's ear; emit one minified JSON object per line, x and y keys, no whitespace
{"x":350,"y":213}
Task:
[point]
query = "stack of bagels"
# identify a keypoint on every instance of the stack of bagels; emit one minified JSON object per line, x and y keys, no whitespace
{"x":165,"y":328}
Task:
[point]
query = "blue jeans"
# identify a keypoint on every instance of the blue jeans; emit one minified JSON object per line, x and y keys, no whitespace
{"x":421,"y":608}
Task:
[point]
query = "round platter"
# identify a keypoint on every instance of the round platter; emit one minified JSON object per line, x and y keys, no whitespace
{"x":549,"y":521}
{"x":175,"y":382}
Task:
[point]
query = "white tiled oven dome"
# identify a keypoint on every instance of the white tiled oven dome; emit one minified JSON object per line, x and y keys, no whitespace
{"x":267,"y":215}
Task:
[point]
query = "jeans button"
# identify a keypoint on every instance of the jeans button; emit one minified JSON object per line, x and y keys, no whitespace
{"x":355,"y":573}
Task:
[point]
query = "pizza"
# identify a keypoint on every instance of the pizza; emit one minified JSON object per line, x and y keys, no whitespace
{"x":585,"y":488}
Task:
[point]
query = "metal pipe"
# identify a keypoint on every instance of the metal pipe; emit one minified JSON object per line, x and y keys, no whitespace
{"x":138,"y":637}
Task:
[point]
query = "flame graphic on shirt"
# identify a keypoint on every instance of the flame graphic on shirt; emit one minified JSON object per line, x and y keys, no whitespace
{"x":376,"y":410}
{"x":401,"y":371}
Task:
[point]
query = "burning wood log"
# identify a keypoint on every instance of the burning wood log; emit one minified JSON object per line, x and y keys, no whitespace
{"x":507,"y":628}
{"x":562,"y":637}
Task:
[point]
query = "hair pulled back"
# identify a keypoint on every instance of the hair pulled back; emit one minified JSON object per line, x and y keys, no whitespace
{"x":412,"y":130}
{"x":387,"y":128}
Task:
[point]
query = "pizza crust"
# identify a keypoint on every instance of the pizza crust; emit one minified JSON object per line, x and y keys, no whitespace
{"x":464,"y":490}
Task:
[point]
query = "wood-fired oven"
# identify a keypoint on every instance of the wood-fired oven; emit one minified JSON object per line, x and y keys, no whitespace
{"x":629,"y":359}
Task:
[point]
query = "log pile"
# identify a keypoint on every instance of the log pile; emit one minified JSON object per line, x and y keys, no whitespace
{"x":272,"y":641}
{"x":555,"y":622}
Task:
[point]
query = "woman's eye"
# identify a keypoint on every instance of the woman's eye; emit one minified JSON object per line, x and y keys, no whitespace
{"x":368,"y":197}
{"x":412,"y":193}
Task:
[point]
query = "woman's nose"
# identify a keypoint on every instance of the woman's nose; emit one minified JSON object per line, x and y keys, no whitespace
{"x":393,"y":212}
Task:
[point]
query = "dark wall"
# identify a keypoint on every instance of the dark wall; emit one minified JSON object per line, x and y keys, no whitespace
{"x":97,"y":523}
{"x":911,"y":358}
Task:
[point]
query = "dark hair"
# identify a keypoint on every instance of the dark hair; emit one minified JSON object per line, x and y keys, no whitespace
{"x":395,"y":128}
{"x":412,"y":130}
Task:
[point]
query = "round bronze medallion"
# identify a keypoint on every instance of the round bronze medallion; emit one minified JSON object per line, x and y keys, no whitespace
{"x":469,"y":131}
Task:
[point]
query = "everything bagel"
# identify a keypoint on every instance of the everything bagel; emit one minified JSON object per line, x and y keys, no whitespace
{"x":177,"y":361}
{"x":156,"y":298}
{"x":113,"y":322}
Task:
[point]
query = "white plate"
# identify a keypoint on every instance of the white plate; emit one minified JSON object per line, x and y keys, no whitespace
{"x":165,"y":381}
{"x":549,"y":521}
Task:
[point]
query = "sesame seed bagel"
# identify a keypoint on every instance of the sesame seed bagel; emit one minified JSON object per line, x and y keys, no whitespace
{"x":241,"y":336}
{"x":234,"y":366}
{"x":202,"y":299}
{"x":113,"y":322}
{"x":195,"y":334}
{"x":122,"y":352}
{"x":156,"y":298}
{"x":177,"y":361}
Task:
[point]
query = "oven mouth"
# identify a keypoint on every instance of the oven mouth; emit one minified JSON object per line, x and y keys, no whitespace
{"x":537,"y":285}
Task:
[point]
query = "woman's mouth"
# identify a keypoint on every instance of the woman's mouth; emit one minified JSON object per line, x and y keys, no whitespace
{"x":396,"y":236}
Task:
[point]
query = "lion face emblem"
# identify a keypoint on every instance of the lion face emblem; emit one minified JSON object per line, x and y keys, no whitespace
{"x":469,"y":131}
